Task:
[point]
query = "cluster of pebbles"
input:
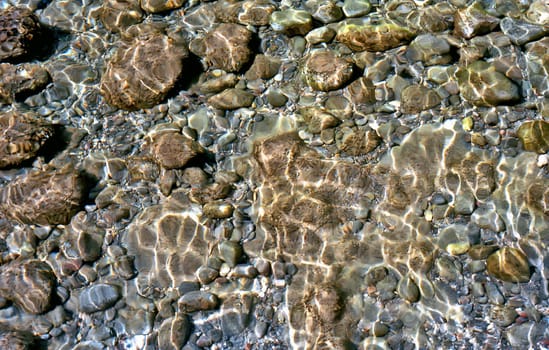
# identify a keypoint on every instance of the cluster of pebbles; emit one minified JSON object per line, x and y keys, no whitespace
{"x":259,"y":174}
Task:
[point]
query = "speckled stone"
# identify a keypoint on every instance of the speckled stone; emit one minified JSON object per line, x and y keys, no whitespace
{"x":155,"y":6}
{"x":473,"y":20}
{"x":509,"y":265}
{"x":291,"y":22}
{"x":21,"y":138}
{"x":225,"y":47}
{"x":118,"y":15}
{"x":325,"y":71}
{"x":373,"y":37}
{"x":44,"y":197}
{"x":172,"y":150}
{"x":534,"y":136}
{"x":142,"y":72}
{"x":361,"y":91}
{"x":23,"y":79}
{"x":232,"y":99}
{"x":19,"y":32}
{"x":417,"y":98}
{"x":30,"y":284}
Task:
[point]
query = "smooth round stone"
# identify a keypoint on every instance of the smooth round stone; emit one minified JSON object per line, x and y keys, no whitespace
{"x":206,"y":274}
{"x":534,"y":136}
{"x":356,"y":8}
{"x":276,"y":98}
{"x":509,"y":265}
{"x":197,"y":301}
{"x":263,"y":67}
{"x":320,"y":35}
{"x":521,"y":32}
{"x":408,"y":290}
{"x":324,"y":11}
{"x":230,"y":252}
{"x":458,"y":248}
{"x":373,"y":37}
{"x":98,"y":297}
{"x":417,"y":98}
{"x":325,"y":71}
{"x":430,"y":49}
{"x":538,"y":13}
{"x":488,"y":218}
{"x":480,"y":251}
{"x":292,"y":22}
{"x":218,"y":210}
{"x":232,"y":99}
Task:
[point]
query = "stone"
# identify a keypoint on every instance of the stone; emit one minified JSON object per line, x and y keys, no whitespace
{"x":319,"y":35}
{"x":538,"y":67}
{"x":509,"y":264}
{"x":502,"y":316}
{"x":482,"y":85}
{"x":197,"y":301}
{"x":417,"y":98}
{"x":174,"y":332}
{"x":430,"y":49}
{"x":256,"y":12}
{"x":29,"y":284}
{"x":324,"y":11}
{"x":488,"y":218}
{"x":357,"y":142}
{"x":263,"y":67}
{"x":118,"y":15}
{"x":206,"y":274}
{"x":325,"y":71}
{"x":291,"y":22}
{"x":521,"y":32}
{"x":218,"y":210}
{"x":17,"y":340}
{"x":141,"y":73}
{"x":44,"y":197}
{"x":98,"y":297}
{"x":21,"y":80}
{"x":21,"y":138}
{"x":473,"y":20}
{"x":230,"y":252}
{"x":172,"y":150}
{"x":538,"y":12}
{"x":155,"y":6}
{"x":215,"y":84}
{"x":373,"y":37}
{"x":430,"y":19}
{"x":407,"y":289}
{"x":20,"y":33}
{"x":276,"y":98}
{"x":534,"y":135}
{"x":317,"y":119}
{"x":225,"y":47}
{"x":356,"y":8}
{"x":231,"y":99}
{"x":361,"y":91}
{"x":236,"y":313}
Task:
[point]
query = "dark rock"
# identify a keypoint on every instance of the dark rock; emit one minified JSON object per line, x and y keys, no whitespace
{"x":174,"y":332}
{"x":17,"y":340}
{"x":521,"y":32}
{"x":264,"y":67}
{"x":235,"y":313}
{"x":230,"y":252}
{"x":21,"y":80}
{"x":98,"y":297}
{"x":44,"y":197}
{"x":28,"y":284}
{"x":20,"y":32}
{"x":21,"y":137}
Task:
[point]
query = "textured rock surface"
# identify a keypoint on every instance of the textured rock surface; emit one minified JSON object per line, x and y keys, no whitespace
{"x":417,"y":98}
{"x":19,"y":32}
{"x":373,"y":37}
{"x":17,"y":340}
{"x":142,"y":72}
{"x":325,"y":71}
{"x":98,"y":297}
{"x":291,"y":22}
{"x":172,"y":150}
{"x":20,"y":80}
{"x":509,"y":265}
{"x":534,"y":136}
{"x":21,"y":137}
{"x":232,"y":99}
{"x":44,"y":197}
{"x":154,"y":6}
{"x":29,"y":284}
{"x":472,"y":21}
{"x":118,"y":15}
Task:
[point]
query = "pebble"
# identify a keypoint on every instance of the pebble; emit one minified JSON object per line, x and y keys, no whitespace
{"x":263,"y":67}
{"x":488,"y":218}
{"x":430,"y":49}
{"x":172,"y":150}
{"x":235,"y":313}
{"x":326,"y":71}
{"x":231,"y":99}
{"x":230,"y":252}
{"x":319,"y":35}
{"x":373,"y":37}
{"x":155,"y":6}
{"x":521,"y":32}
{"x":174,"y":332}
{"x":291,"y":22}
{"x":197,"y":301}
{"x":218,"y":210}
{"x":118,"y":15}
{"x":98,"y":297}
{"x":473,"y":20}
{"x":509,"y":264}
{"x":324,"y":11}
{"x":493,"y":293}
{"x":356,"y":8}
{"x":534,"y":136}
{"x":408,"y":290}
{"x":417,"y":98}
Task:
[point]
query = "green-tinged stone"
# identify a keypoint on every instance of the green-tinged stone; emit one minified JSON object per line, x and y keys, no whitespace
{"x":417,"y":98}
{"x":467,"y":123}
{"x":534,"y":136}
{"x":373,"y":37}
{"x":292,"y":22}
{"x":458,"y":248}
{"x":356,"y":8}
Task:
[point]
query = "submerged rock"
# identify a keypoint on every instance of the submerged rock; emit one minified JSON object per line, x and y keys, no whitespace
{"x":29,"y":284}
{"x":521,"y":32}
{"x":44,"y":197}
{"x":325,"y":71}
{"x":21,"y":80}
{"x":172,"y":150}
{"x":232,"y":99}
{"x":17,"y":340}
{"x":19,"y":33}
{"x":417,"y":98}
{"x":292,"y":22}
{"x":118,"y":15}
{"x":373,"y":37}
{"x":534,"y":136}
{"x":155,"y":6}
{"x":473,"y":20}
{"x":509,"y":265}
{"x":21,"y":138}
{"x":98,"y":297}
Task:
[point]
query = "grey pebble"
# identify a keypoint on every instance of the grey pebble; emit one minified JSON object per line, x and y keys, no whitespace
{"x":98,"y":297}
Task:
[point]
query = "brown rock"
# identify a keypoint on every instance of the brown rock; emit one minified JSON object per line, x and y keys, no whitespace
{"x":361,"y":91}
{"x":172,"y":150}
{"x":225,"y":47}
{"x":196,"y":301}
{"x":534,"y":136}
{"x":373,"y":37}
{"x":417,"y":98}
{"x":44,"y":197}
{"x":117,"y":15}
{"x":215,"y":83}
{"x":141,"y":73}
{"x":509,"y":265}
{"x":356,"y":142}
{"x":16,"y":340}
{"x":472,"y":21}
{"x":28,"y":284}
{"x":328,"y":302}
{"x":23,"y":79}
{"x":264,"y":67}
{"x":232,"y":99}
{"x":155,"y":6}
{"x":249,"y":12}
{"x":325,"y":71}
{"x":21,"y":137}
{"x":19,"y":31}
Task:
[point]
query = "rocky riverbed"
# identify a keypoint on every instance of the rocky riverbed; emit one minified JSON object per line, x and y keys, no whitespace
{"x":274,"y":174}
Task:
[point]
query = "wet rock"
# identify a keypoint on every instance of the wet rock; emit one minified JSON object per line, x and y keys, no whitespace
{"x":230,"y":252}
{"x":20,"y":33}
{"x":318,"y":119}
{"x":17,"y":340}
{"x":44,"y":197}
{"x":172,"y":150}
{"x":537,"y":12}
{"x":429,"y":19}
{"x":263,"y":67}
{"x":232,"y":99}
{"x":174,"y":332}
{"x":356,"y":8}
{"x":538,"y":66}
{"x":118,"y":15}
{"x":417,"y":98}
{"x":521,"y":32}
{"x":319,"y":35}
{"x":473,"y":20}
{"x":21,"y":138}
{"x":373,"y":37}
{"x":98,"y":297}
{"x":324,"y":11}
{"x":407,"y":289}
{"x":197,"y":301}
{"x":356,"y":142}
{"x":325,"y":71}
{"x":142,"y":72}
{"x":520,"y":335}
{"x":276,"y":98}
{"x":502,"y":316}
{"x":361,"y":91}
{"x":482,"y":85}
{"x":226,"y":47}
{"x":488,"y":218}
{"x":236,"y":311}
{"x":430,"y":49}
{"x":215,"y":84}
{"x":206,"y":274}
{"x":21,"y":80}
{"x":509,"y":265}
{"x":29,"y":284}
{"x":218,"y":210}
{"x":291,"y":22}
{"x":155,"y":6}
{"x":256,"y":12}
{"x":328,"y":302}
{"x":534,"y":136}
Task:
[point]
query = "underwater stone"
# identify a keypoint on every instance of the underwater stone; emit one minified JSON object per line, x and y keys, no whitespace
{"x":98,"y":297}
{"x":373,"y":37}
{"x":22,"y":79}
{"x":534,"y":136}
{"x":19,"y":32}
{"x":417,"y":98}
{"x":292,"y":22}
{"x":509,"y":265}
{"x":472,"y":21}
{"x":325,"y":71}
